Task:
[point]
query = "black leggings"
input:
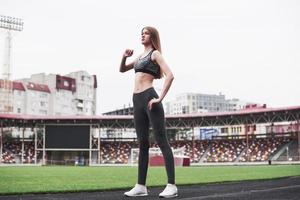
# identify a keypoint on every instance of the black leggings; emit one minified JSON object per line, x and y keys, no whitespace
{"x":142,"y":118}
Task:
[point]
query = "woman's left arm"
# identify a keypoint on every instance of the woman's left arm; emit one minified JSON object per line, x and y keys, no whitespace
{"x":157,"y":57}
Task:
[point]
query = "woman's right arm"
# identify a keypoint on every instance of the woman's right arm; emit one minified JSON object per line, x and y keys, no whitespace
{"x":123,"y":66}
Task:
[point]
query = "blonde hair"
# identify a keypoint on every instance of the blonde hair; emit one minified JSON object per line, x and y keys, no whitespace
{"x":155,"y":41}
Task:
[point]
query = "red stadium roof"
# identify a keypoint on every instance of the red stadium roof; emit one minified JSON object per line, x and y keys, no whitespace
{"x":238,"y":112}
{"x":103,"y":117}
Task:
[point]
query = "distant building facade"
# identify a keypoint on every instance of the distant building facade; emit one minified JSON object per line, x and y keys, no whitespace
{"x":53,"y":94}
{"x":123,"y":111}
{"x":188,"y":103}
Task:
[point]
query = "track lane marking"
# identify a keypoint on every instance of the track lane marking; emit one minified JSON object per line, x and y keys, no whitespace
{"x":242,"y":192}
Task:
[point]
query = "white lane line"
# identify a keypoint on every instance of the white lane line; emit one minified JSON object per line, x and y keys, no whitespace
{"x":242,"y":192}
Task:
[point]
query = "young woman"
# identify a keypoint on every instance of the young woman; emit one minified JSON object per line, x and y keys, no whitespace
{"x":148,"y":109}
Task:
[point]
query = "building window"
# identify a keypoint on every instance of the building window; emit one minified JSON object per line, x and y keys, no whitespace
{"x":66,"y":83}
{"x":224,"y":130}
{"x":33,"y":104}
{"x":19,"y":110}
{"x":43,"y":95}
{"x":44,"y":112}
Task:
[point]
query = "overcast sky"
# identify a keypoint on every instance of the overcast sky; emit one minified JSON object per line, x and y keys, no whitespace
{"x":244,"y":49}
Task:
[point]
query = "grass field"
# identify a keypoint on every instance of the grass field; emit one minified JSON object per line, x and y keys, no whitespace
{"x":18,"y":180}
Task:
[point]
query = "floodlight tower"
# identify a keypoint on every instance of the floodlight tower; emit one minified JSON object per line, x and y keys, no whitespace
{"x":6,"y":85}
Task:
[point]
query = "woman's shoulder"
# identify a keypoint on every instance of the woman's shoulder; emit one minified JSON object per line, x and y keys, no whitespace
{"x":155,"y":54}
{"x":155,"y":51}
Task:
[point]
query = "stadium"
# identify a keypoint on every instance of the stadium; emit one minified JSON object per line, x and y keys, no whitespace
{"x":54,"y":145}
{"x":57,"y":144}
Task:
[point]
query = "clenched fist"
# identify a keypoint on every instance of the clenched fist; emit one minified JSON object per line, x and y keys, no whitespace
{"x":128,"y":53}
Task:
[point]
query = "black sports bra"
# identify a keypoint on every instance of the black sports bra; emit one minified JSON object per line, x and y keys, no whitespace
{"x":146,"y":65}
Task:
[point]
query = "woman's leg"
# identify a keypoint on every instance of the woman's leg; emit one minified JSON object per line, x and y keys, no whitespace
{"x":157,"y":119}
{"x":141,"y":122}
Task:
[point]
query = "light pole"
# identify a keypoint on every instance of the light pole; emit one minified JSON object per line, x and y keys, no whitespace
{"x":6,"y":85}
{"x":287,"y":153}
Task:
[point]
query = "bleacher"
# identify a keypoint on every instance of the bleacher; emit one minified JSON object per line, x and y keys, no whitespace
{"x":12,"y":152}
{"x":218,"y":150}
{"x":222,"y":150}
{"x":261,"y":149}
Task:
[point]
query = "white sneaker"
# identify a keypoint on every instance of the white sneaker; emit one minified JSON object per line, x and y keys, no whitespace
{"x":138,"y":190}
{"x":169,"y":192}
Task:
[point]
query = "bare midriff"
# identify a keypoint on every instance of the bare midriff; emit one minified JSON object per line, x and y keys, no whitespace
{"x":142,"y":82}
